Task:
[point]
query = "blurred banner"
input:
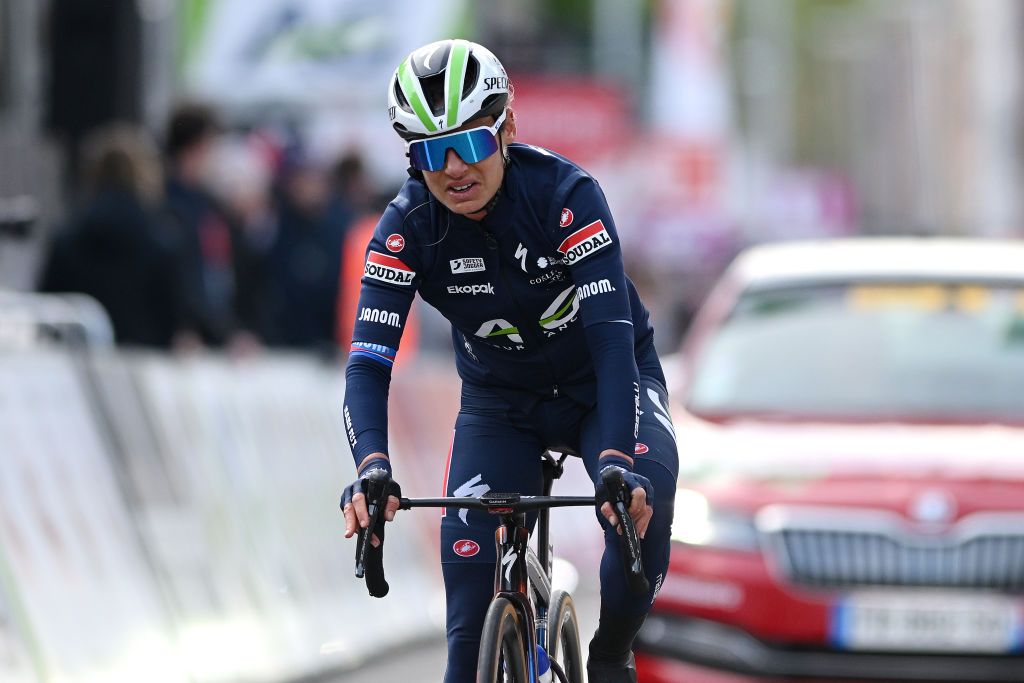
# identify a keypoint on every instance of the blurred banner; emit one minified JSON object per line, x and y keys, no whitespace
{"x":580,"y":118}
{"x":306,"y":51}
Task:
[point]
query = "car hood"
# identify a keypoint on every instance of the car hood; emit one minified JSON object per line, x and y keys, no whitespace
{"x":751,"y":463}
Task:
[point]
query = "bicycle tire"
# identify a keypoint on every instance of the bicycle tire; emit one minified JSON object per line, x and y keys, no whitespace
{"x":564,"y":636}
{"x":502,"y":642}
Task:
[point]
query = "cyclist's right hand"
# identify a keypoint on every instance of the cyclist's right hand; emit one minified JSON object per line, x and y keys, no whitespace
{"x":353,"y":498}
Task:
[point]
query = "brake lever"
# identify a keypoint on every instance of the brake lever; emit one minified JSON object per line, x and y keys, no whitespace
{"x":370,"y":560}
{"x":620,"y":497}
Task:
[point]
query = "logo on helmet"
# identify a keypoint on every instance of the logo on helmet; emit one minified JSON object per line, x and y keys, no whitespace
{"x":391,"y":113}
{"x":496,"y":82}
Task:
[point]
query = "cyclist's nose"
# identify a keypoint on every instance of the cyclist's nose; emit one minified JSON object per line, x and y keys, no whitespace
{"x":454,"y":165}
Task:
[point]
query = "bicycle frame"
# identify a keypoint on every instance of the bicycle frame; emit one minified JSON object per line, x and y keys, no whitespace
{"x":517,"y":566}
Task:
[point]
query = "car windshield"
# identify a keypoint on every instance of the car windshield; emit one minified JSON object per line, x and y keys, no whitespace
{"x":928,"y":351}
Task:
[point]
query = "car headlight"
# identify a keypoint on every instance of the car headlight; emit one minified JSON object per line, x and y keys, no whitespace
{"x":697,"y":522}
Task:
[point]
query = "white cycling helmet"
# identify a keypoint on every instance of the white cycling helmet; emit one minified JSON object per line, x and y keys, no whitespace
{"x":440,"y":86}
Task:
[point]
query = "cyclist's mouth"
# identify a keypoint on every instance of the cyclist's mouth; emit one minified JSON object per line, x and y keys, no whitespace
{"x":461,"y":191}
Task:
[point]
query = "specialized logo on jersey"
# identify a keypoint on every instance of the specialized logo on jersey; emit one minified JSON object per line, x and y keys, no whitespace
{"x":640,"y":449}
{"x":475,"y":488}
{"x":486,"y":288}
{"x":521,"y":256}
{"x":566,"y":220}
{"x":467,"y":265}
{"x":388,"y":269}
{"x":593,"y":288}
{"x":584,"y":242}
{"x":466,"y":547}
{"x":395,"y":243}
{"x":379,"y":315}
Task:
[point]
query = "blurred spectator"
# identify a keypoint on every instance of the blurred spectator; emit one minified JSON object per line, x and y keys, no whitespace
{"x":219,"y":265}
{"x":240,"y":175}
{"x":305,"y":259}
{"x":115,"y":249}
{"x":352,"y":193}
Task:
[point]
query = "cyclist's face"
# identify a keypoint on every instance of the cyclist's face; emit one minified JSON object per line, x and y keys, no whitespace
{"x":466,"y":188}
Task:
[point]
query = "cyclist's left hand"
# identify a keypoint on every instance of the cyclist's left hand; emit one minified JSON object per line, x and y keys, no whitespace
{"x":353,"y":501}
{"x":641,"y":505}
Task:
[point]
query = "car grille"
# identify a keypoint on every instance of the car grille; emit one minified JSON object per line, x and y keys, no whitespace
{"x":833,"y":548}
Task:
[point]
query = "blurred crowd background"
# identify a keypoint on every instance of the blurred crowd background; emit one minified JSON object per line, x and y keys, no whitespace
{"x":202,"y":167}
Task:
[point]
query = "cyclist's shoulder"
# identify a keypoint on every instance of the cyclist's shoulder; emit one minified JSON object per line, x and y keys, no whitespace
{"x":544,"y":164}
{"x":412,"y":201}
{"x":411,"y":207}
{"x":550,"y":177}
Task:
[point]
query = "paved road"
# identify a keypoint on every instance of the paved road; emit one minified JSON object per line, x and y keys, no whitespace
{"x":424,"y":662}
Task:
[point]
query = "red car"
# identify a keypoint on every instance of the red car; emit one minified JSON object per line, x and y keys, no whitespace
{"x":851,"y":501}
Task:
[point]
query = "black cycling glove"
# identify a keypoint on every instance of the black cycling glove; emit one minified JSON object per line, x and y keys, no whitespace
{"x":376,"y":484}
{"x":632,"y":479}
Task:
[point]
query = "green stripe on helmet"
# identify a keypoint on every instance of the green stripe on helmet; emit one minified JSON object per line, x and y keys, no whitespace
{"x":411,"y":89}
{"x":458,"y":57}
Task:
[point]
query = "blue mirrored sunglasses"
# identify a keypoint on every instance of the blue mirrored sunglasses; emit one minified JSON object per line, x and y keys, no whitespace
{"x":473,"y":145}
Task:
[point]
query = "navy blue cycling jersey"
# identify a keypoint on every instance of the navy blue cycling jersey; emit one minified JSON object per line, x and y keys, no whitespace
{"x":535,"y":293}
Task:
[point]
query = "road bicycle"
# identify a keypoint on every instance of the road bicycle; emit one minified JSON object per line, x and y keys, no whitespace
{"x":525,"y":611}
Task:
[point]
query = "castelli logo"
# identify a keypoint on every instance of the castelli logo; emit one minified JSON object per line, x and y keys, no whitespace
{"x":566,"y":220}
{"x":466,"y":548}
{"x":395,"y":243}
{"x":641,"y":448}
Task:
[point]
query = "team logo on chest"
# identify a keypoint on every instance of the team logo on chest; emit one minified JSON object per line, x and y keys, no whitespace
{"x":584,"y":242}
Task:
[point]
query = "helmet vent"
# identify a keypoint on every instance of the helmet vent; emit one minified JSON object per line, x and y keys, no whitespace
{"x":433,"y":90}
{"x":472,"y":74}
{"x":400,"y":98}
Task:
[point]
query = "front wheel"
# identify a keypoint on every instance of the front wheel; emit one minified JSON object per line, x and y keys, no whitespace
{"x":503,"y":641}
{"x":564,"y":637}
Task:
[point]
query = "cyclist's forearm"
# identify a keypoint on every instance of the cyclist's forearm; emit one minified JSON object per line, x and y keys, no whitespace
{"x":366,"y":407}
{"x":611,"y":346}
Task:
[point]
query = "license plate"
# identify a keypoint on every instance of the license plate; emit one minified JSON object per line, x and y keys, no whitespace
{"x":927,"y":622}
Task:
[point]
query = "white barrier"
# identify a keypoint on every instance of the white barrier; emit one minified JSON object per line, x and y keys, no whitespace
{"x":176,"y":520}
{"x":81,"y":595}
{"x":169,"y":521}
{"x":250,"y":541}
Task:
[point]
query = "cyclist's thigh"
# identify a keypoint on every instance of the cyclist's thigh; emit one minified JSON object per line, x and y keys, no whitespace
{"x":488,"y":453}
{"x":657,"y":459}
{"x":656,"y":439}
